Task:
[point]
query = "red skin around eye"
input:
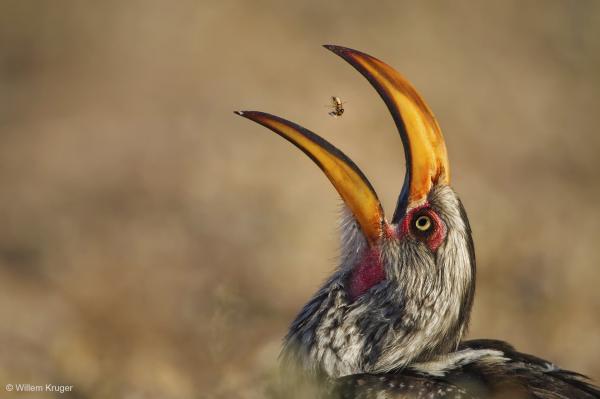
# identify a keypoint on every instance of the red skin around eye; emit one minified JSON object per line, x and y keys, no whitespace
{"x":436,"y":237}
{"x":439,"y":233}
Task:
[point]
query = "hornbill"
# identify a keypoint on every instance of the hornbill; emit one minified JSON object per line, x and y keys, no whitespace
{"x":389,"y":322}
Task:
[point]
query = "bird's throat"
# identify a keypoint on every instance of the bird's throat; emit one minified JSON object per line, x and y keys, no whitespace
{"x":368,"y":273}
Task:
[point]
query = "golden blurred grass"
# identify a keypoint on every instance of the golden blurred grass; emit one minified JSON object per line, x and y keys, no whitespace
{"x":155,"y":245}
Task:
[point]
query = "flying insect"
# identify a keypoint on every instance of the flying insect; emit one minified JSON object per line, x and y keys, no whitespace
{"x":337,"y":107}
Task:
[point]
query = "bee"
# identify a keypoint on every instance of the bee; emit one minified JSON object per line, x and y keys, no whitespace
{"x":337,"y":107}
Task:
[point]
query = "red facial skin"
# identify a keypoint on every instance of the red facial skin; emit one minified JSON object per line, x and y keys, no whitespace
{"x":432,"y":239}
{"x":369,"y":272}
{"x":366,"y":274}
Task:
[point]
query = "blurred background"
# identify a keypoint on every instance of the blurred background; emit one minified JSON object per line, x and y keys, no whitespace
{"x":154,"y":245}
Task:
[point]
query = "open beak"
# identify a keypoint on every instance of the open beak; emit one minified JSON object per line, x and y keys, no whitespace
{"x":424,"y":148}
{"x":352,"y":185}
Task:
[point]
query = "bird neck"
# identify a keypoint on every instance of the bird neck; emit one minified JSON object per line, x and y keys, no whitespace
{"x":380,"y":331}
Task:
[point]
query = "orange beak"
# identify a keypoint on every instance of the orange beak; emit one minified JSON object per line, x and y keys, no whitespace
{"x":352,"y":185}
{"x":424,"y":147}
{"x":426,"y":157}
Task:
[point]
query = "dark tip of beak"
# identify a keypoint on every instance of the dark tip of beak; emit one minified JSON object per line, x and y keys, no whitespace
{"x":335,"y":49}
{"x":240,"y":113}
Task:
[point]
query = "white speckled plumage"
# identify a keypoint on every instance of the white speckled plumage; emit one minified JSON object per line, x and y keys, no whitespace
{"x":419,"y":311}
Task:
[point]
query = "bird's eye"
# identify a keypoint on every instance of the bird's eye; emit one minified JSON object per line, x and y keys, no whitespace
{"x":423,"y":223}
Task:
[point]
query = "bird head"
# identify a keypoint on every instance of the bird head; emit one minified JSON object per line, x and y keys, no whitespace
{"x":403,"y":290}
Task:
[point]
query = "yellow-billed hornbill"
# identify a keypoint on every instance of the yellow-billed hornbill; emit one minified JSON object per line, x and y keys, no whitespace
{"x":389,"y":322}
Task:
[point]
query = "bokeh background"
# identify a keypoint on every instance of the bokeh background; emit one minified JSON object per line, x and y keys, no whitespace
{"x":154,"y":245}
